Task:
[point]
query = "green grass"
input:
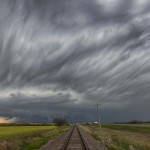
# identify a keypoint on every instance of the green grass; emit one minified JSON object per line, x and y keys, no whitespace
{"x":43,"y":139}
{"x":27,"y":137}
{"x":126,"y":127}
{"x":121,"y":137}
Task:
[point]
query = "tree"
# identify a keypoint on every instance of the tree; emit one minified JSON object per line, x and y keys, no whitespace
{"x":59,"y":121}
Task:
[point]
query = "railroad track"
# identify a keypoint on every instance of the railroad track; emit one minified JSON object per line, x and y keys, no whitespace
{"x":75,"y":140}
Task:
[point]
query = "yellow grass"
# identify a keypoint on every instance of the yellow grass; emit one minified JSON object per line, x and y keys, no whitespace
{"x":11,"y":131}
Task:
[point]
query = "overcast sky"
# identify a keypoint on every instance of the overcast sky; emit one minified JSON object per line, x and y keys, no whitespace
{"x":58,"y":58}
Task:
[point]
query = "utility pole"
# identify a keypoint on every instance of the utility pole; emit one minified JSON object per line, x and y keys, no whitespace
{"x":98,"y":114}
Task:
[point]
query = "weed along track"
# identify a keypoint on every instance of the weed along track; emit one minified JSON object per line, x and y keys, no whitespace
{"x":74,"y":139}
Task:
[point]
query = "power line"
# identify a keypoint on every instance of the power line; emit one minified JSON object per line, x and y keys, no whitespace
{"x":125,"y":82}
{"x":145,"y":76}
{"x":135,"y":71}
{"x":120,"y":88}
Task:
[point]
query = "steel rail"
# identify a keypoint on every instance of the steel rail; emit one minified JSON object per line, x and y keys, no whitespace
{"x":85,"y":145}
{"x":69,"y":137}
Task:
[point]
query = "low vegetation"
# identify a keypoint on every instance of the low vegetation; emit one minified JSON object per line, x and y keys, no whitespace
{"x":27,"y":137}
{"x":126,"y":127}
{"x":122,"y":137}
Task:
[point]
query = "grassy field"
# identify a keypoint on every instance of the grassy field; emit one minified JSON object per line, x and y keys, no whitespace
{"x":129,"y":127}
{"x":122,"y":137}
{"x":14,"y":131}
{"x":27,"y":137}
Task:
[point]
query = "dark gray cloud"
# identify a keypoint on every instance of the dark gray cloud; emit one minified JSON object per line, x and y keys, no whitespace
{"x":58,"y":58}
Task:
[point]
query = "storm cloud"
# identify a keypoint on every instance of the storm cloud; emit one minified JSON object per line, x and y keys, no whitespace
{"x":59,"y":58}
